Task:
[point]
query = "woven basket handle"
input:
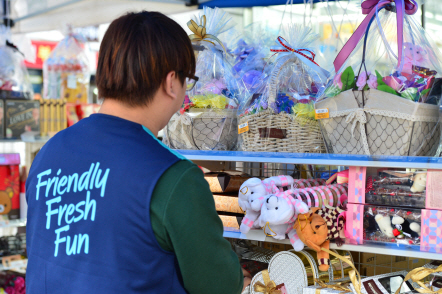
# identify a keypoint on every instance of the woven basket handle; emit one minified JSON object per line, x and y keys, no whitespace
{"x":274,"y":78}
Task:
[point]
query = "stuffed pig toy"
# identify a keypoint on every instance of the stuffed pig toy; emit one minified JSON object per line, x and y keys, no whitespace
{"x":414,"y":55}
{"x":252,"y":194}
{"x":317,"y":227}
{"x":278,"y":214}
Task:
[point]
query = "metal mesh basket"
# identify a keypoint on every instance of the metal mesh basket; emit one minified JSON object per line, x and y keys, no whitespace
{"x":272,"y":132}
{"x":246,"y":250}
{"x":202,"y":129}
{"x":362,"y":122}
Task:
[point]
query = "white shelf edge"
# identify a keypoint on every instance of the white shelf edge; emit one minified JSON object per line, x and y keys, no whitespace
{"x":366,"y":248}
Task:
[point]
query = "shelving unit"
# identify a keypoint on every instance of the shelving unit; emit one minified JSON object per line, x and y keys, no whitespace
{"x":323,"y":159}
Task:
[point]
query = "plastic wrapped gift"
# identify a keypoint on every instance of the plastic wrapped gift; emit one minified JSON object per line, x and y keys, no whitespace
{"x":392,"y":225}
{"x":250,"y":51}
{"x":278,"y":115}
{"x":207,"y":120}
{"x":66,"y":72}
{"x":397,"y":188}
{"x":384,"y":98}
{"x":14,"y":77}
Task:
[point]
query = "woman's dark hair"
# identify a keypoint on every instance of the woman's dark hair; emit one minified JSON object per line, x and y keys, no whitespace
{"x":136,"y":54}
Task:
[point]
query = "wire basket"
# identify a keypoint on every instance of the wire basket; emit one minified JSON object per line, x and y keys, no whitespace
{"x":361,"y":122}
{"x":272,"y":132}
{"x":202,"y":129}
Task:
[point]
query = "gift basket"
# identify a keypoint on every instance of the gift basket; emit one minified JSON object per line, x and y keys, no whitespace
{"x":278,"y":115}
{"x":14,"y":77}
{"x":207,"y":120}
{"x":385,"y":96}
{"x":66,"y":72}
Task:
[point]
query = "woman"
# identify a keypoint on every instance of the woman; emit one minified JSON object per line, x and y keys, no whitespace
{"x":113,"y":210}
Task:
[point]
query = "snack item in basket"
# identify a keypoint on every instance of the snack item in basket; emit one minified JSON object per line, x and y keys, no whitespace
{"x":207,"y":120}
{"x":252,"y":194}
{"x":279,"y":112}
{"x":375,"y":105}
{"x":278,"y":214}
{"x":387,"y":284}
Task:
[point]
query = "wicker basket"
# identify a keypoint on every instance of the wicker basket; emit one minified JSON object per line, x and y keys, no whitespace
{"x":203,"y":129}
{"x":271,"y":132}
{"x":378,"y":123}
{"x":285,"y":267}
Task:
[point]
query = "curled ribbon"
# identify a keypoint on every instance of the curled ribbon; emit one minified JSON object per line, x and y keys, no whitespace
{"x":354,"y":275}
{"x":199,"y":32}
{"x":269,"y":286}
{"x":358,"y":115}
{"x":337,"y":287}
{"x":305,"y":55}
{"x":372,"y":7}
{"x":268,"y":226}
{"x":286,"y":48}
{"x":419,"y":274}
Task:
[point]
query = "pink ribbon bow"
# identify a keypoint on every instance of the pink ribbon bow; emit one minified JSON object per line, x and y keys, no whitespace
{"x":371,"y":7}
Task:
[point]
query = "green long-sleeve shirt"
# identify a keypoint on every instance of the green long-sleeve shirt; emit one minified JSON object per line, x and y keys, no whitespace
{"x":185,"y":222}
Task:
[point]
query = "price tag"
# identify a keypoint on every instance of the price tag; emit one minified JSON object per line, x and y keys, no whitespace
{"x":322,"y":113}
{"x":242,"y":128}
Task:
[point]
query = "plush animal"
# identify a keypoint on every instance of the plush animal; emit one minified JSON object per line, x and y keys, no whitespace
{"x":252,"y":194}
{"x":414,"y":55}
{"x":317,"y":227}
{"x":419,"y":182}
{"x":384,"y":224}
{"x":278,"y":214}
{"x":5,"y":203}
{"x":405,"y":227}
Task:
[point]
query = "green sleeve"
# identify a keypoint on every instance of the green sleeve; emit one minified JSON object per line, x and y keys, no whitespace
{"x":185,"y":221}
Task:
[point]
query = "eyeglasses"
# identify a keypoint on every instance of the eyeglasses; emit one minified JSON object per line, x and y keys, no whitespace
{"x":191,"y":82}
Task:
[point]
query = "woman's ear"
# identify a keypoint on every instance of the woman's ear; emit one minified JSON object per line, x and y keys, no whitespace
{"x":169,"y":84}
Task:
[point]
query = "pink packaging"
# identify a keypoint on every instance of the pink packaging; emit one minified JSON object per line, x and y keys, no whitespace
{"x":434,"y":186}
{"x":431,"y":230}
{"x":356,"y":184}
{"x":354,"y":221}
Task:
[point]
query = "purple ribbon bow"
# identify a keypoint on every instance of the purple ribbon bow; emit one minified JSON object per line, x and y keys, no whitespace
{"x":371,"y":7}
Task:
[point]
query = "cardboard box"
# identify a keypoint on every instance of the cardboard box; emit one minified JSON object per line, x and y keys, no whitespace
{"x":231,"y":222}
{"x":227,"y":203}
{"x":226,"y":182}
{"x":21,"y":116}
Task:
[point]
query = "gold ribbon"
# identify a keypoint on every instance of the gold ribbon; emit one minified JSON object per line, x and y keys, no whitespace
{"x":354,"y":275}
{"x":269,"y":286}
{"x":337,"y":286}
{"x":417,"y":275}
{"x":268,"y":226}
{"x":199,"y":32}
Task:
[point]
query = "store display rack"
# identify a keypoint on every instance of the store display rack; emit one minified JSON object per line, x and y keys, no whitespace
{"x":434,"y":163}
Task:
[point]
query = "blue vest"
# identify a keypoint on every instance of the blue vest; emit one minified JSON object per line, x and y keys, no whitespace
{"x":89,"y":229}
